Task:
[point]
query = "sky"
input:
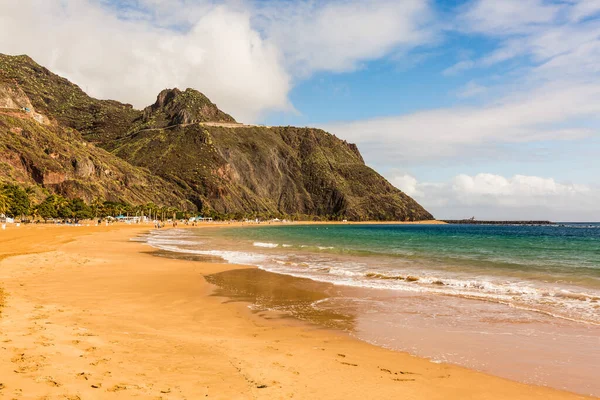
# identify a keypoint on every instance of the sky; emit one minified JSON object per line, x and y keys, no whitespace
{"x":479,"y":108}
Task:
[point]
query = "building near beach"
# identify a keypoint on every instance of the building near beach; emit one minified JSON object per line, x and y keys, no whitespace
{"x":201,"y":219}
{"x":6,"y":220}
{"x":132,"y":220}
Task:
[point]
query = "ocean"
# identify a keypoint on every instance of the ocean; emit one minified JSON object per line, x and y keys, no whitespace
{"x":518,"y":301}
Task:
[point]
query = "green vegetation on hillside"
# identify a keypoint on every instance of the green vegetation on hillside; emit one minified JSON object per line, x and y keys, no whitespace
{"x":168,"y":155}
{"x":272,"y":170}
{"x":19,"y":203}
{"x":64,"y":101}
{"x":14,"y":201}
{"x":60,"y":161}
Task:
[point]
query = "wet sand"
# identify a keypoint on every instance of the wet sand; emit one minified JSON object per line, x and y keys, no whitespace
{"x":91,"y":314}
{"x":524,"y":346}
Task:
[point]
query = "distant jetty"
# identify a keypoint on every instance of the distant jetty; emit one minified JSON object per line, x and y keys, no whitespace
{"x":478,"y":222}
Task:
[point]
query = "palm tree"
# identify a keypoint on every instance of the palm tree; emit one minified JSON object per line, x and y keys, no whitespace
{"x":97,"y":206}
{"x":3,"y":202}
{"x":164,"y":212}
{"x":119,"y":209}
{"x":151,"y":209}
{"x":61,"y":202}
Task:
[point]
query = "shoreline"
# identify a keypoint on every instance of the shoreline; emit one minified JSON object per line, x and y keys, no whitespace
{"x":487,"y":334}
{"x":93,"y":302}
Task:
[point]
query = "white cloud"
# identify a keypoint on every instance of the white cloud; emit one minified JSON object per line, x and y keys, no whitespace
{"x":459,"y":67}
{"x":507,"y":16}
{"x":131,"y":61}
{"x":472,"y":89}
{"x":538,"y":30}
{"x":490,"y":196}
{"x":584,"y":9}
{"x":408,"y":184}
{"x":555,"y":97}
{"x":540,"y":115}
{"x":514,"y":192}
{"x":339,"y":35}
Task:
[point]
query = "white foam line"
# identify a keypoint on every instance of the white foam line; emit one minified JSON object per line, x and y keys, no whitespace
{"x":344,"y":277}
{"x":266,"y":245}
{"x":411,"y":287}
{"x":233,"y":257}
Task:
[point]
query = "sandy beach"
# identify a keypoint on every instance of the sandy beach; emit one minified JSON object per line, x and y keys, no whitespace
{"x":90,"y":314}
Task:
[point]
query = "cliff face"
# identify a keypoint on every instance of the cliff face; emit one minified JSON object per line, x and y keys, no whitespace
{"x":192,"y":151}
{"x":284,"y":169}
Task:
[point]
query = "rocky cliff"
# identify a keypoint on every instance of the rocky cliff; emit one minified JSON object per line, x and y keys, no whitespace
{"x":42,"y":153}
{"x":184,"y":149}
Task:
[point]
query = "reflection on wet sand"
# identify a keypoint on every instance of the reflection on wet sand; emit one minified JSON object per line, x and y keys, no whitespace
{"x":288,"y":296}
{"x":187,"y":257}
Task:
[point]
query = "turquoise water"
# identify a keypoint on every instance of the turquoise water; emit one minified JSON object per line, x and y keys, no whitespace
{"x":549,"y":269}
{"x":568,"y":252}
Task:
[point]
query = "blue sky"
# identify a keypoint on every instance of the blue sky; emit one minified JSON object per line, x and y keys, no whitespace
{"x":478,"y":107}
{"x":389,"y":86}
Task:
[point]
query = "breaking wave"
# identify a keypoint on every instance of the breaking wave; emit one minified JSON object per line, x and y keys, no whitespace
{"x":561,"y":301}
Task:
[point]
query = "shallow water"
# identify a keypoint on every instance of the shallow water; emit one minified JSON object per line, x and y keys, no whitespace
{"x":517,"y":301}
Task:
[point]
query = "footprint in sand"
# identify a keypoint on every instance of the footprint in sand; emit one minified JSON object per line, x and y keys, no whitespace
{"x":102,"y":360}
{"x":34,"y":329}
{"x":83,"y":375}
{"x":399,"y":373}
{"x":350,"y":364}
{"x":26,"y":363}
{"x":117,"y":388}
{"x":49,"y":380}
{"x":44,"y":341}
{"x":345,"y":363}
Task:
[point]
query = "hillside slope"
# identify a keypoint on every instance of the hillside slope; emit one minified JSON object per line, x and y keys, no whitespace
{"x":36,"y":151}
{"x":266,"y":169}
{"x":190,"y":151}
{"x":64,"y":101}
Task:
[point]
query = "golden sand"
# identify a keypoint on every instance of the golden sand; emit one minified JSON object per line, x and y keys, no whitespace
{"x":89,"y":314}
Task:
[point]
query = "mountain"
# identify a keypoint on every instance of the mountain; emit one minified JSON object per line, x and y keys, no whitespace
{"x":64,"y":101}
{"x":60,"y":161}
{"x":184,"y":146}
{"x":38,"y":151}
{"x":174,"y":107}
